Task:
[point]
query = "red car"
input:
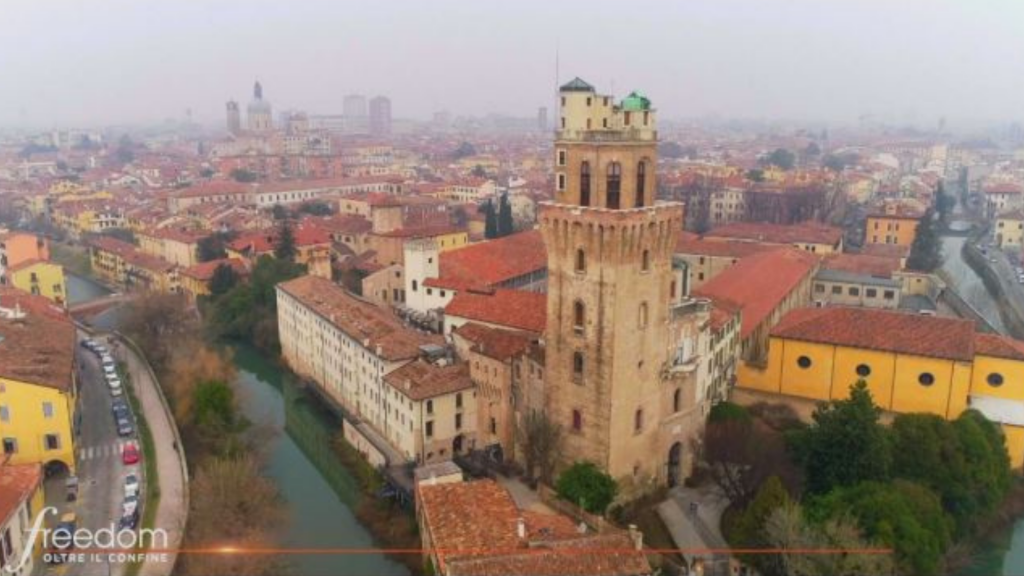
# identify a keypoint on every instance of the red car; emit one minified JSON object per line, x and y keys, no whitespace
{"x":130,"y":454}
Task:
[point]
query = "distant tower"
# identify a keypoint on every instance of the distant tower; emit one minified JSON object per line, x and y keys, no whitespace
{"x":260,"y":113}
{"x":354,"y":110}
{"x":610,"y":284}
{"x":380,"y":116}
{"x":234,"y":118}
{"x":542,"y":119}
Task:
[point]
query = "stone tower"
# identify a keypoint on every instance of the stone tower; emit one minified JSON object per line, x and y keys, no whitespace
{"x":259,"y":112}
{"x":610,"y":284}
{"x":234,"y":118}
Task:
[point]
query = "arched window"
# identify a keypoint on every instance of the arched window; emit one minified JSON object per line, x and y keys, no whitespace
{"x":578,"y":316}
{"x":585,"y":183}
{"x":614,"y":188}
{"x":577,"y":365}
{"x":677,"y":398}
{"x":638,"y":421}
{"x":581,"y":261}
{"x":643,"y":315}
{"x":645,"y":261}
{"x":577,"y":420}
{"x":641,"y":181}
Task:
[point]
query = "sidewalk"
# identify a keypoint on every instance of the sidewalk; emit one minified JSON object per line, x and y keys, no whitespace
{"x":696,"y":533}
{"x":172,"y":510}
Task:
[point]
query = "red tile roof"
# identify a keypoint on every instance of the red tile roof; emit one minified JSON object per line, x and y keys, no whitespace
{"x":720,"y":249}
{"x":361,"y":320}
{"x":306,"y":233}
{"x":1003,"y":188}
{"x":886,"y":250}
{"x":998,"y":346}
{"x":492,"y":262}
{"x":884,"y":330}
{"x":494,"y":342}
{"x":204,"y":270}
{"x":39,"y":347}
{"x":18,"y":483}
{"x":759,"y":283}
{"x":420,"y":380}
{"x":804,"y":233}
{"x":214,"y":188}
{"x":516,"y":309}
{"x":878,"y":266}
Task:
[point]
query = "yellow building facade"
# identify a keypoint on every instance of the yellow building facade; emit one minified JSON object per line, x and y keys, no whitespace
{"x":910,"y":363}
{"x":41,"y":278}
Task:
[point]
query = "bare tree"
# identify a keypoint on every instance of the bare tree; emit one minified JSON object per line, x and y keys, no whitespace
{"x":787,"y":530}
{"x":740,"y":455}
{"x":542,"y":441}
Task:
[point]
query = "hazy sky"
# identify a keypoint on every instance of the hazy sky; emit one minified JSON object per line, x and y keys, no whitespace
{"x":92,"y":62}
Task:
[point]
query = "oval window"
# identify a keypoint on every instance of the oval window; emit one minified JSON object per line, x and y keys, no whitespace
{"x":995,"y":379}
{"x":803,"y":362}
{"x":863,"y":370}
{"x":926,"y":379}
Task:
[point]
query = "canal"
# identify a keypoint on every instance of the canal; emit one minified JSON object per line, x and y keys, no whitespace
{"x":319,"y":493}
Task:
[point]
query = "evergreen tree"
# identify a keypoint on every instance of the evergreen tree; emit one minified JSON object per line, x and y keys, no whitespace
{"x":505,"y":223}
{"x":284,"y":248}
{"x":224,"y":278}
{"x":491,"y":221}
{"x":926,"y":251}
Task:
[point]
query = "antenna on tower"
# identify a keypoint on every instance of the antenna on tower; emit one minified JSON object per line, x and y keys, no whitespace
{"x":557,"y":108}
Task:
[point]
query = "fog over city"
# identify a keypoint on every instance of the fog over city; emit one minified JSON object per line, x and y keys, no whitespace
{"x":113,"y":61}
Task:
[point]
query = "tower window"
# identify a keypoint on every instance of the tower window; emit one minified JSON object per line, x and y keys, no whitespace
{"x":415,"y":286}
{"x":638,"y":421}
{"x":645,"y":261}
{"x":672,"y":290}
{"x":561,"y":182}
{"x":588,"y":101}
{"x":577,"y":365}
{"x":641,"y":181}
{"x":577,"y":420}
{"x":614,"y":185}
{"x":643,"y":314}
{"x":561,"y":157}
{"x":585,"y":183}
{"x":578,"y":316}
{"x":581,"y":261}
{"x":677,"y":398}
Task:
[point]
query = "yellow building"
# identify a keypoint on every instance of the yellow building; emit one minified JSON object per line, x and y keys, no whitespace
{"x":1009,"y":232}
{"x":38,"y":390}
{"x":41,"y":278}
{"x":894,"y":224}
{"x":910,"y":363}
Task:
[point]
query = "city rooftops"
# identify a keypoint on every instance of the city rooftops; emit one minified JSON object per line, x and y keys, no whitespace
{"x":422,"y":380}
{"x":37,"y":341}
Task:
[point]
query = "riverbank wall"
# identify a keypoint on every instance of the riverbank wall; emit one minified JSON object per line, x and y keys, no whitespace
{"x":1010,"y":309}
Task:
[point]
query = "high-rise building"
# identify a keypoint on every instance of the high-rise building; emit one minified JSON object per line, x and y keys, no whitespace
{"x":380,"y":116}
{"x":260,"y":118}
{"x":542,"y":118}
{"x":234,"y":118}
{"x":614,"y":296}
{"x":354,"y":110}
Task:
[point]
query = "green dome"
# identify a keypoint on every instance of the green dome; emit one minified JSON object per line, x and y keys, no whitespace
{"x":636,"y":101}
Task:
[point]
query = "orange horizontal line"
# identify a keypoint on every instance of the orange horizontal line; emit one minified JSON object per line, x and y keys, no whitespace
{"x":227,"y":550}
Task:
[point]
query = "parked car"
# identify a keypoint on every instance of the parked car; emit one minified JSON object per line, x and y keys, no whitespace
{"x":89,"y":344}
{"x":114,"y":382}
{"x":130,"y":454}
{"x":130,"y":505}
{"x":115,"y":392}
{"x":119,"y":408}
{"x":101,"y":350}
{"x":124,"y":427}
{"x":129,"y":521}
{"x":63,"y":537}
{"x":131,"y":485}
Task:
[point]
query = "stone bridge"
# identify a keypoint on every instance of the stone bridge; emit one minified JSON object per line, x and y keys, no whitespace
{"x":93,"y":307}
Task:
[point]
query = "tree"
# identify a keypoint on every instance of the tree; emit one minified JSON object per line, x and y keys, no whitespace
{"x":490,"y":221}
{"x":788,"y":531}
{"x":213,"y":247}
{"x":904,"y":515}
{"x":224,"y":278}
{"x":464,"y":149}
{"x":279,"y":212}
{"x":478,"y":171}
{"x":748,"y":531}
{"x":781,"y":158}
{"x":838,"y":162}
{"x":587,"y":486}
{"x":812,"y":149}
{"x":741,"y":454}
{"x":541,"y":439}
{"x":505,"y":223}
{"x":724,"y":411}
{"x":284,"y":247}
{"x":926,"y":250}
{"x":316,"y":208}
{"x":755,"y":175}
{"x":158,"y":323}
{"x":845,"y":444}
{"x":244,"y":176}
{"x":944,"y":203}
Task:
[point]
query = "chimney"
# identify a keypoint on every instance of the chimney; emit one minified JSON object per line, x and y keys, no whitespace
{"x":636,"y":536}
{"x":521,"y":528}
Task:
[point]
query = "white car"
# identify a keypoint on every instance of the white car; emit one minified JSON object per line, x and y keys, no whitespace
{"x":114,"y":382}
{"x":131,"y":504}
{"x":115,"y":392}
{"x":131,"y":486}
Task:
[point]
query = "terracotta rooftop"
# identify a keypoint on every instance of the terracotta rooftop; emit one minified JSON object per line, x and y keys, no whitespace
{"x":1003,"y":188}
{"x":998,"y":346}
{"x":803,"y":233}
{"x":492,"y":262}
{"x":204,"y":270}
{"x":18,"y":482}
{"x":360,"y":320}
{"x":473,"y":527}
{"x":420,"y":380}
{"x":719,"y":249}
{"x":494,"y":342}
{"x":516,"y":309}
{"x":214,"y":188}
{"x":901,"y":332}
{"x":39,"y":347}
{"x":759,"y":283}
{"x":878,"y":266}
{"x":886,"y":250}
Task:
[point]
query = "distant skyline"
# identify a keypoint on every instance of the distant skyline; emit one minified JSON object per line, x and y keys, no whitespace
{"x":74,"y":63}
